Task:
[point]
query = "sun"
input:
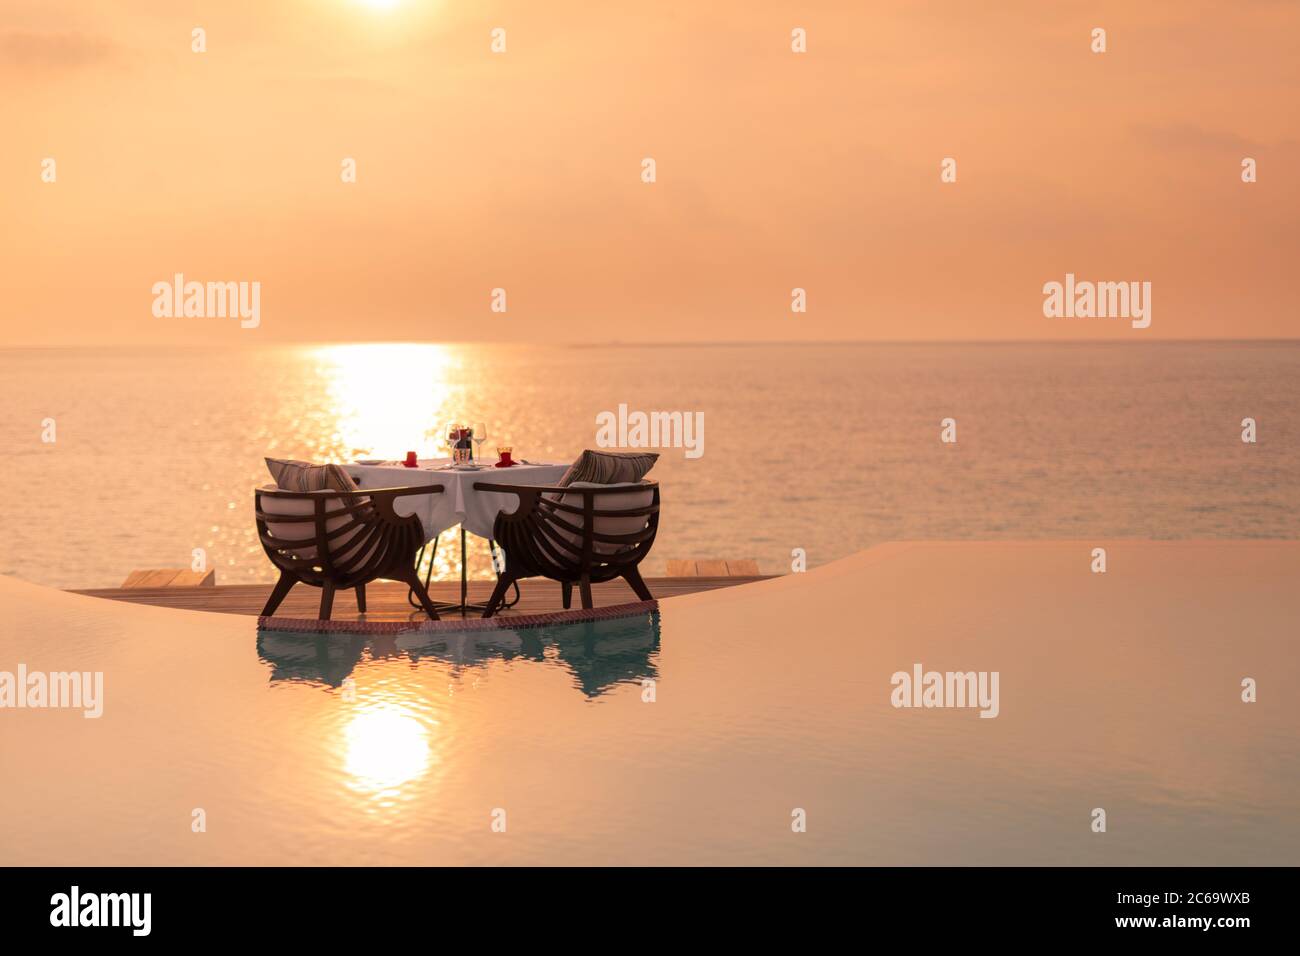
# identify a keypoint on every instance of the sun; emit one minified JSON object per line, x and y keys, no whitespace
{"x":380,"y":4}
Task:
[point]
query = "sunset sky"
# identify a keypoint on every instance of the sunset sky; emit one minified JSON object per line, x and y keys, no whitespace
{"x":522,"y":170}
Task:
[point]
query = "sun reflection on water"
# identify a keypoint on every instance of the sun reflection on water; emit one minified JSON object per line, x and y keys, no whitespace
{"x":383,"y":399}
{"x":385,"y":747}
{"x":387,"y":398}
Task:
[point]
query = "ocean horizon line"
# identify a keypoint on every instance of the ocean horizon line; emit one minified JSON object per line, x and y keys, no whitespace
{"x":720,"y":343}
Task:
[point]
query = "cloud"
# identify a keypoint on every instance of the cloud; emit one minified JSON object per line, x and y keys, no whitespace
{"x":53,"y":52}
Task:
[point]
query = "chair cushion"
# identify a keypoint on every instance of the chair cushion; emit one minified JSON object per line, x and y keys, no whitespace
{"x":291,"y":475}
{"x":299,"y":537}
{"x":610,"y":467}
{"x":607,"y":524}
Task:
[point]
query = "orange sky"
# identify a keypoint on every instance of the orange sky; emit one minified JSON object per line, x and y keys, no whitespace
{"x":522,"y":170}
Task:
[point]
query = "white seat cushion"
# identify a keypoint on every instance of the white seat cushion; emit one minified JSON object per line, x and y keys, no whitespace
{"x":291,"y":533}
{"x":608,"y":524}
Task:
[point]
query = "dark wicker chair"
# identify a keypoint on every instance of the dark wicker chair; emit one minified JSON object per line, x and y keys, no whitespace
{"x":336,"y":540}
{"x":561,"y":534}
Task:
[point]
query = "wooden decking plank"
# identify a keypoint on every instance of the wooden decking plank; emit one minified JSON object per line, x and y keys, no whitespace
{"x":151,"y":578}
{"x":194,"y":579}
{"x":712,"y":567}
{"x":170,"y":578}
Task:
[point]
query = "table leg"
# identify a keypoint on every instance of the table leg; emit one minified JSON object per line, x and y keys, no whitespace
{"x":464,"y":606}
{"x":411,"y":599}
{"x":464,"y":582}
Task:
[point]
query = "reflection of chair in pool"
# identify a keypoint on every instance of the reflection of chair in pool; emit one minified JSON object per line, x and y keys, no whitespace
{"x":335,"y":540}
{"x":311,"y":658}
{"x":600,"y":654}
{"x":580,"y":534}
{"x":603,"y":653}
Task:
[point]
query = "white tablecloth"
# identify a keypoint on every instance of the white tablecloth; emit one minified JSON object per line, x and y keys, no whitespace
{"x":459,"y":503}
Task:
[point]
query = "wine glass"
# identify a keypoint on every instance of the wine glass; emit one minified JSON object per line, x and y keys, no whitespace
{"x":479,"y":434}
{"x":453,"y":436}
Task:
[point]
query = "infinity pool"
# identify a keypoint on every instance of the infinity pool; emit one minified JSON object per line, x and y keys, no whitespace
{"x":697,"y":734}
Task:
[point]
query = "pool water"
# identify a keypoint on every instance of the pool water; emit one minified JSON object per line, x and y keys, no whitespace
{"x":698,"y":734}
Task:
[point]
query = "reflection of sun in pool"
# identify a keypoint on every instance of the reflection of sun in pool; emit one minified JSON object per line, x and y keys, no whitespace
{"x":385,"y":747}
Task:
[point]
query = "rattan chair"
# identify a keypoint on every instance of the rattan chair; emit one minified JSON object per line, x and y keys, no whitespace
{"x":580,"y":534}
{"x":339,"y":540}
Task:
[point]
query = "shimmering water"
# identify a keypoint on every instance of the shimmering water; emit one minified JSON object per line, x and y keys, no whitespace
{"x":694,"y":735}
{"x":826,"y":448}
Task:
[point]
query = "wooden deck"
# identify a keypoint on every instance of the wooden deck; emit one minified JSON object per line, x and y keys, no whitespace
{"x":387,"y":600}
{"x":713,"y":568}
{"x":170,"y":578}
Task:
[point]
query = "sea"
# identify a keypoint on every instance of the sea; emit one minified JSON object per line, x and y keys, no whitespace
{"x":122,"y":458}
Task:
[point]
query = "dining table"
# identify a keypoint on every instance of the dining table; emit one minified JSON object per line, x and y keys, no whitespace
{"x":460,"y":504}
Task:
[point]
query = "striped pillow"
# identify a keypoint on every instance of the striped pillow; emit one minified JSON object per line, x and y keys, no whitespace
{"x":293,"y":475}
{"x":610,"y":467}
